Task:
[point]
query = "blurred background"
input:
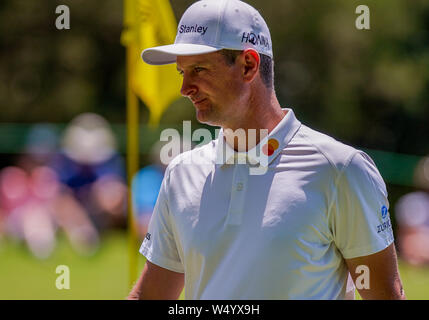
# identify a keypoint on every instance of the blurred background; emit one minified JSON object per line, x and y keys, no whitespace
{"x":63,"y":183}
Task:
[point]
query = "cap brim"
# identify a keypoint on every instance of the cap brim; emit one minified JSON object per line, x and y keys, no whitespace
{"x":168,"y":54}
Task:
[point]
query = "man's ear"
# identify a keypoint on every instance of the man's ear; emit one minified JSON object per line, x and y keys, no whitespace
{"x":251,"y":61}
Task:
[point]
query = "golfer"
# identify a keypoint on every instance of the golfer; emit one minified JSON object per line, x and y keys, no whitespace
{"x":311,"y":226}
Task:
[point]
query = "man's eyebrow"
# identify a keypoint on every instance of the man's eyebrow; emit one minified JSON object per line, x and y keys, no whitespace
{"x":198,"y":63}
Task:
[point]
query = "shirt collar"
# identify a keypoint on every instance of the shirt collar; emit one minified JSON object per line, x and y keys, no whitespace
{"x":267,"y":149}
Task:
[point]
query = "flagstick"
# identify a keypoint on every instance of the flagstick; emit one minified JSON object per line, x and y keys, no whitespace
{"x":132,"y":167}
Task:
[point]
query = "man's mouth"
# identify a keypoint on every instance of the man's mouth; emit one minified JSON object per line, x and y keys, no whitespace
{"x":199,"y":101}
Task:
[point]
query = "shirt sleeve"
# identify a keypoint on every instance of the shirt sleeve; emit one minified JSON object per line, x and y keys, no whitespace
{"x":159,"y":245}
{"x":361,"y":223}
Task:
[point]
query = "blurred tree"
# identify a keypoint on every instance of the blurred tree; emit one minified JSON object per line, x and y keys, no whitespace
{"x":368,"y":88}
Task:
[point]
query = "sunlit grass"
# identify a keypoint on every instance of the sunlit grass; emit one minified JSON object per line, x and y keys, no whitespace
{"x":105,"y":274}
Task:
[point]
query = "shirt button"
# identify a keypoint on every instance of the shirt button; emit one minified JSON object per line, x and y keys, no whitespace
{"x":239,"y":186}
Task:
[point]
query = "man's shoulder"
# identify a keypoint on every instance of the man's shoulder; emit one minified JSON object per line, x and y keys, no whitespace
{"x":336,"y":153}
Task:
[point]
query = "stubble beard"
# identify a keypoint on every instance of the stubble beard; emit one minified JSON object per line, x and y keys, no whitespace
{"x":208,"y":115}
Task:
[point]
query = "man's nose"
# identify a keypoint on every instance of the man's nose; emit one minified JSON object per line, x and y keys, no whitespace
{"x":188,"y":87}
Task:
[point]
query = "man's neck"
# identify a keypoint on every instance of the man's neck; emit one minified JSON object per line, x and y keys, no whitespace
{"x":260,"y":120}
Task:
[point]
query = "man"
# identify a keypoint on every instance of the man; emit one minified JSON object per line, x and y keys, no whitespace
{"x":295,"y":232}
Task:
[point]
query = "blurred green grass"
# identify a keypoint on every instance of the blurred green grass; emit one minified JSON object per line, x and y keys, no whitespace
{"x":105,"y":275}
{"x":101,"y":276}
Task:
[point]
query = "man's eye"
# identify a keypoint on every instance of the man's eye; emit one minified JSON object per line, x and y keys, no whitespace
{"x":198,"y":69}
{"x":180,"y":72}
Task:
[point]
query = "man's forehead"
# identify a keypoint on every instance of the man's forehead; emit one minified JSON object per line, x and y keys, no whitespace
{"x":206,"y":59}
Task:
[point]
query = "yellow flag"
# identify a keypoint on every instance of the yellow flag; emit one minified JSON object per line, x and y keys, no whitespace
{"x":150,"y":23}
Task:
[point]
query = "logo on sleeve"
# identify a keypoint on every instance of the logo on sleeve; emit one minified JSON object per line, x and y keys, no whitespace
{"x":148,"y":235}
{"x":386,"y":224}
{"x":384,"y":212}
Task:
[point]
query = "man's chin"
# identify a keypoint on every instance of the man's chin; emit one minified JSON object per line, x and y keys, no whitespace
{"x":206,"y":117}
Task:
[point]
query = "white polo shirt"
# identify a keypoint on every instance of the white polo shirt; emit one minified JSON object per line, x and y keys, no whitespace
{"x":280,"y":235}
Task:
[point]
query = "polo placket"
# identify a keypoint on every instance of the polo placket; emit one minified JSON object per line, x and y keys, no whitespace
{"x":238,"y":194}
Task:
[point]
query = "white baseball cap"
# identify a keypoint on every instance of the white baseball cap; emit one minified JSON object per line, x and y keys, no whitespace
{"x":212,"y":25}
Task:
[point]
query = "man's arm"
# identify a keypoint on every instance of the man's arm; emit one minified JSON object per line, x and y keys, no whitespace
{"x":157,"y":283}
{"x":384,"y":280}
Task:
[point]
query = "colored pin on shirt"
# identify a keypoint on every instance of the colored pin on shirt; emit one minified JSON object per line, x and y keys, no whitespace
{"x":271,"y":146}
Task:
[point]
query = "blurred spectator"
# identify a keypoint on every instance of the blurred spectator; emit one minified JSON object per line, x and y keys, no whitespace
{"x":26,"y":200}
{"x":145,"y":187}
{"x":78,"y":188}
{"x":147,"y":182}
{"x":412,"y":216}
{"x":94,"y":171}
{"x":28,"y":192}
{"x":34,"y":203}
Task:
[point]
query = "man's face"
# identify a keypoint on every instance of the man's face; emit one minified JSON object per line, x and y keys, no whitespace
{"x":213,"y":86}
